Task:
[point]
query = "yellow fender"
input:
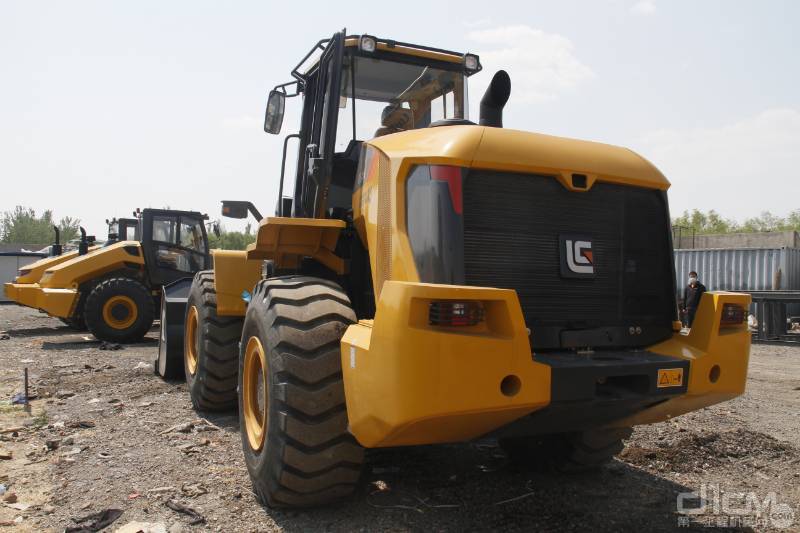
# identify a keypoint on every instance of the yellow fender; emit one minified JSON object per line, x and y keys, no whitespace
{"x":234,"y":273}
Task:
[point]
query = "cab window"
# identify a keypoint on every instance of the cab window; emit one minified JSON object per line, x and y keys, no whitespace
{"x":191,"y":235}
{"x":164,"y":229}
{"x":384,"y":96}
{"x":130,"y":233}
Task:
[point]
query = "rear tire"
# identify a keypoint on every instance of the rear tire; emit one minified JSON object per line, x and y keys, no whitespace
{"x":292,"y":412}
{"x":119,"y":310}
{"x":567,"y":452}
{"x":210,"y":348}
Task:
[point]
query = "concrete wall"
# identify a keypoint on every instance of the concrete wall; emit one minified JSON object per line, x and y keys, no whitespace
{"x":768,"y":239}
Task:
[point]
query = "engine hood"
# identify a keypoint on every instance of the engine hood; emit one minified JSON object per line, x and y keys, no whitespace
{"x":520,"y":151}
{"x":98,"y":261}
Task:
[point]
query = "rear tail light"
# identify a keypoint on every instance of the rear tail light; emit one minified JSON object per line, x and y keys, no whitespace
{"x":435,"y":222}
{"x":453,"y":313}
{"x":732,"y":315}
{"x":452,"y":176}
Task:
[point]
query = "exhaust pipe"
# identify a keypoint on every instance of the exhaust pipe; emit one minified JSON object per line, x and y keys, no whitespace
{"x":56,"y":248}
{"x":83,"y":246}
{"x":494,"y":100}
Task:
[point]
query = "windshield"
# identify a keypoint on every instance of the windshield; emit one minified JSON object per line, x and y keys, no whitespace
{"x":393,"y":96}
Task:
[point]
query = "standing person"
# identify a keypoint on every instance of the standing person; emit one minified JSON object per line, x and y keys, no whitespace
{"x":691,"y":296}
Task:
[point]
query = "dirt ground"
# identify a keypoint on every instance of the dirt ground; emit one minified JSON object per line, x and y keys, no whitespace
{"x":102,"y":435}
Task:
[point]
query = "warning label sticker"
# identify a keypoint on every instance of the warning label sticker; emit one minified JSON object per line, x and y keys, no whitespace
{"x":670,"y":377}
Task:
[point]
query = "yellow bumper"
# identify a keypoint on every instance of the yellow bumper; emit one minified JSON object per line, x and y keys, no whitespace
{"x":55,"y":302}
{"x":409,"y":383}
{"x":718,"y":359}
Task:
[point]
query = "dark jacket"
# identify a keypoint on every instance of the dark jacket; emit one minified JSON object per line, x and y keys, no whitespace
{"x":691,"y":295}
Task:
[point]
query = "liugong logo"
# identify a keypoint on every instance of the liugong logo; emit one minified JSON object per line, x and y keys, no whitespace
{"x":577,"y":258}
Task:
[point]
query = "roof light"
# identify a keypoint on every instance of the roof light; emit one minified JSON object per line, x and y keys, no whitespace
{"x":471,"y":62}
{"x":367,"y":43}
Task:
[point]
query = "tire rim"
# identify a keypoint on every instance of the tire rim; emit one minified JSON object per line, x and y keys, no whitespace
{"x":120,"y":312}
{"x":254,"y":393}
{"x":190,"y":345}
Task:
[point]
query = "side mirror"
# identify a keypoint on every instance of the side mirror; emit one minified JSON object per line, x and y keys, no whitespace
{"x":233,"y":209}
{"x":273,"y":119}
{"x":239,"y":209}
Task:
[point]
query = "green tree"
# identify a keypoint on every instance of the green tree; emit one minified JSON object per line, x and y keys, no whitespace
{"x":766,"y":221}
{"x":231,"y":240}
{"x":712,"y":222}
{"x":23,"y":226}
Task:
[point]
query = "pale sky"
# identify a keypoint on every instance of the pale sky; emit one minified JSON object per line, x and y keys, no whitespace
{"x":107,"y":105}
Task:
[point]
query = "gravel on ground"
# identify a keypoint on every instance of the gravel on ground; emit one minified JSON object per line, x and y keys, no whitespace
{"x":105,"y":433}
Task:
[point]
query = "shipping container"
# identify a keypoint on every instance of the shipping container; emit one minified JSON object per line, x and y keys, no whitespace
{"x":743,"y":269}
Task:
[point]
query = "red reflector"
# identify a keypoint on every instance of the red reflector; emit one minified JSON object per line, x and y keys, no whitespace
{"x":455,"y":313}
{"x":452,"y":175}
{"x":732,"y":315}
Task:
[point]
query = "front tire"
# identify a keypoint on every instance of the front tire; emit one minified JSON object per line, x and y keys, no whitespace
{"x":292,"y":412}
{"x":119,"y":310}
{"x":169,"y":361}
{"x":210,"y":348}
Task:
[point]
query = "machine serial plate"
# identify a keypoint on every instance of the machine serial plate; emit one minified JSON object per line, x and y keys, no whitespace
{"x":670,"y":377}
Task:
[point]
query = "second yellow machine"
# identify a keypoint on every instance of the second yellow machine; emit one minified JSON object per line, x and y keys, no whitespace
{"x":113,"y":290}
{"x":433,"y":280}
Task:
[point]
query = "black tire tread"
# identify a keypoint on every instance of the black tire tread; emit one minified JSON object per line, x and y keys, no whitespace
{"x":213,"y":387}
{"x":93,"y":314}
{"x":311,"y":458}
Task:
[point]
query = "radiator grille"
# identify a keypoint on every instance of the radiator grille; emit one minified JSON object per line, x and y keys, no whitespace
{"x":512,"y":224}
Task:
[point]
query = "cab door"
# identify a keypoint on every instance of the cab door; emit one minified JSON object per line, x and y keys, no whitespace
{"x":175,"y":246}
{"x":318,"y":133}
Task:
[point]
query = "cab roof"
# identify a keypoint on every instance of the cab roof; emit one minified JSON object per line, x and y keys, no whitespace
{"x":384,"y":46}
{"x":174,"y":212}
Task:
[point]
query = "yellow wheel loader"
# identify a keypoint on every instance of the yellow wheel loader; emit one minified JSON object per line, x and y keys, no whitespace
{"x":118,"y":229}
{"x":114,"y":289}
{"x":433,"y":280}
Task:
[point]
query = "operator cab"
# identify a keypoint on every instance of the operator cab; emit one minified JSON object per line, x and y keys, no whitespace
{"x":356,"y":88}
{"x":175,"y":244}
{"x":123,"y":229}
